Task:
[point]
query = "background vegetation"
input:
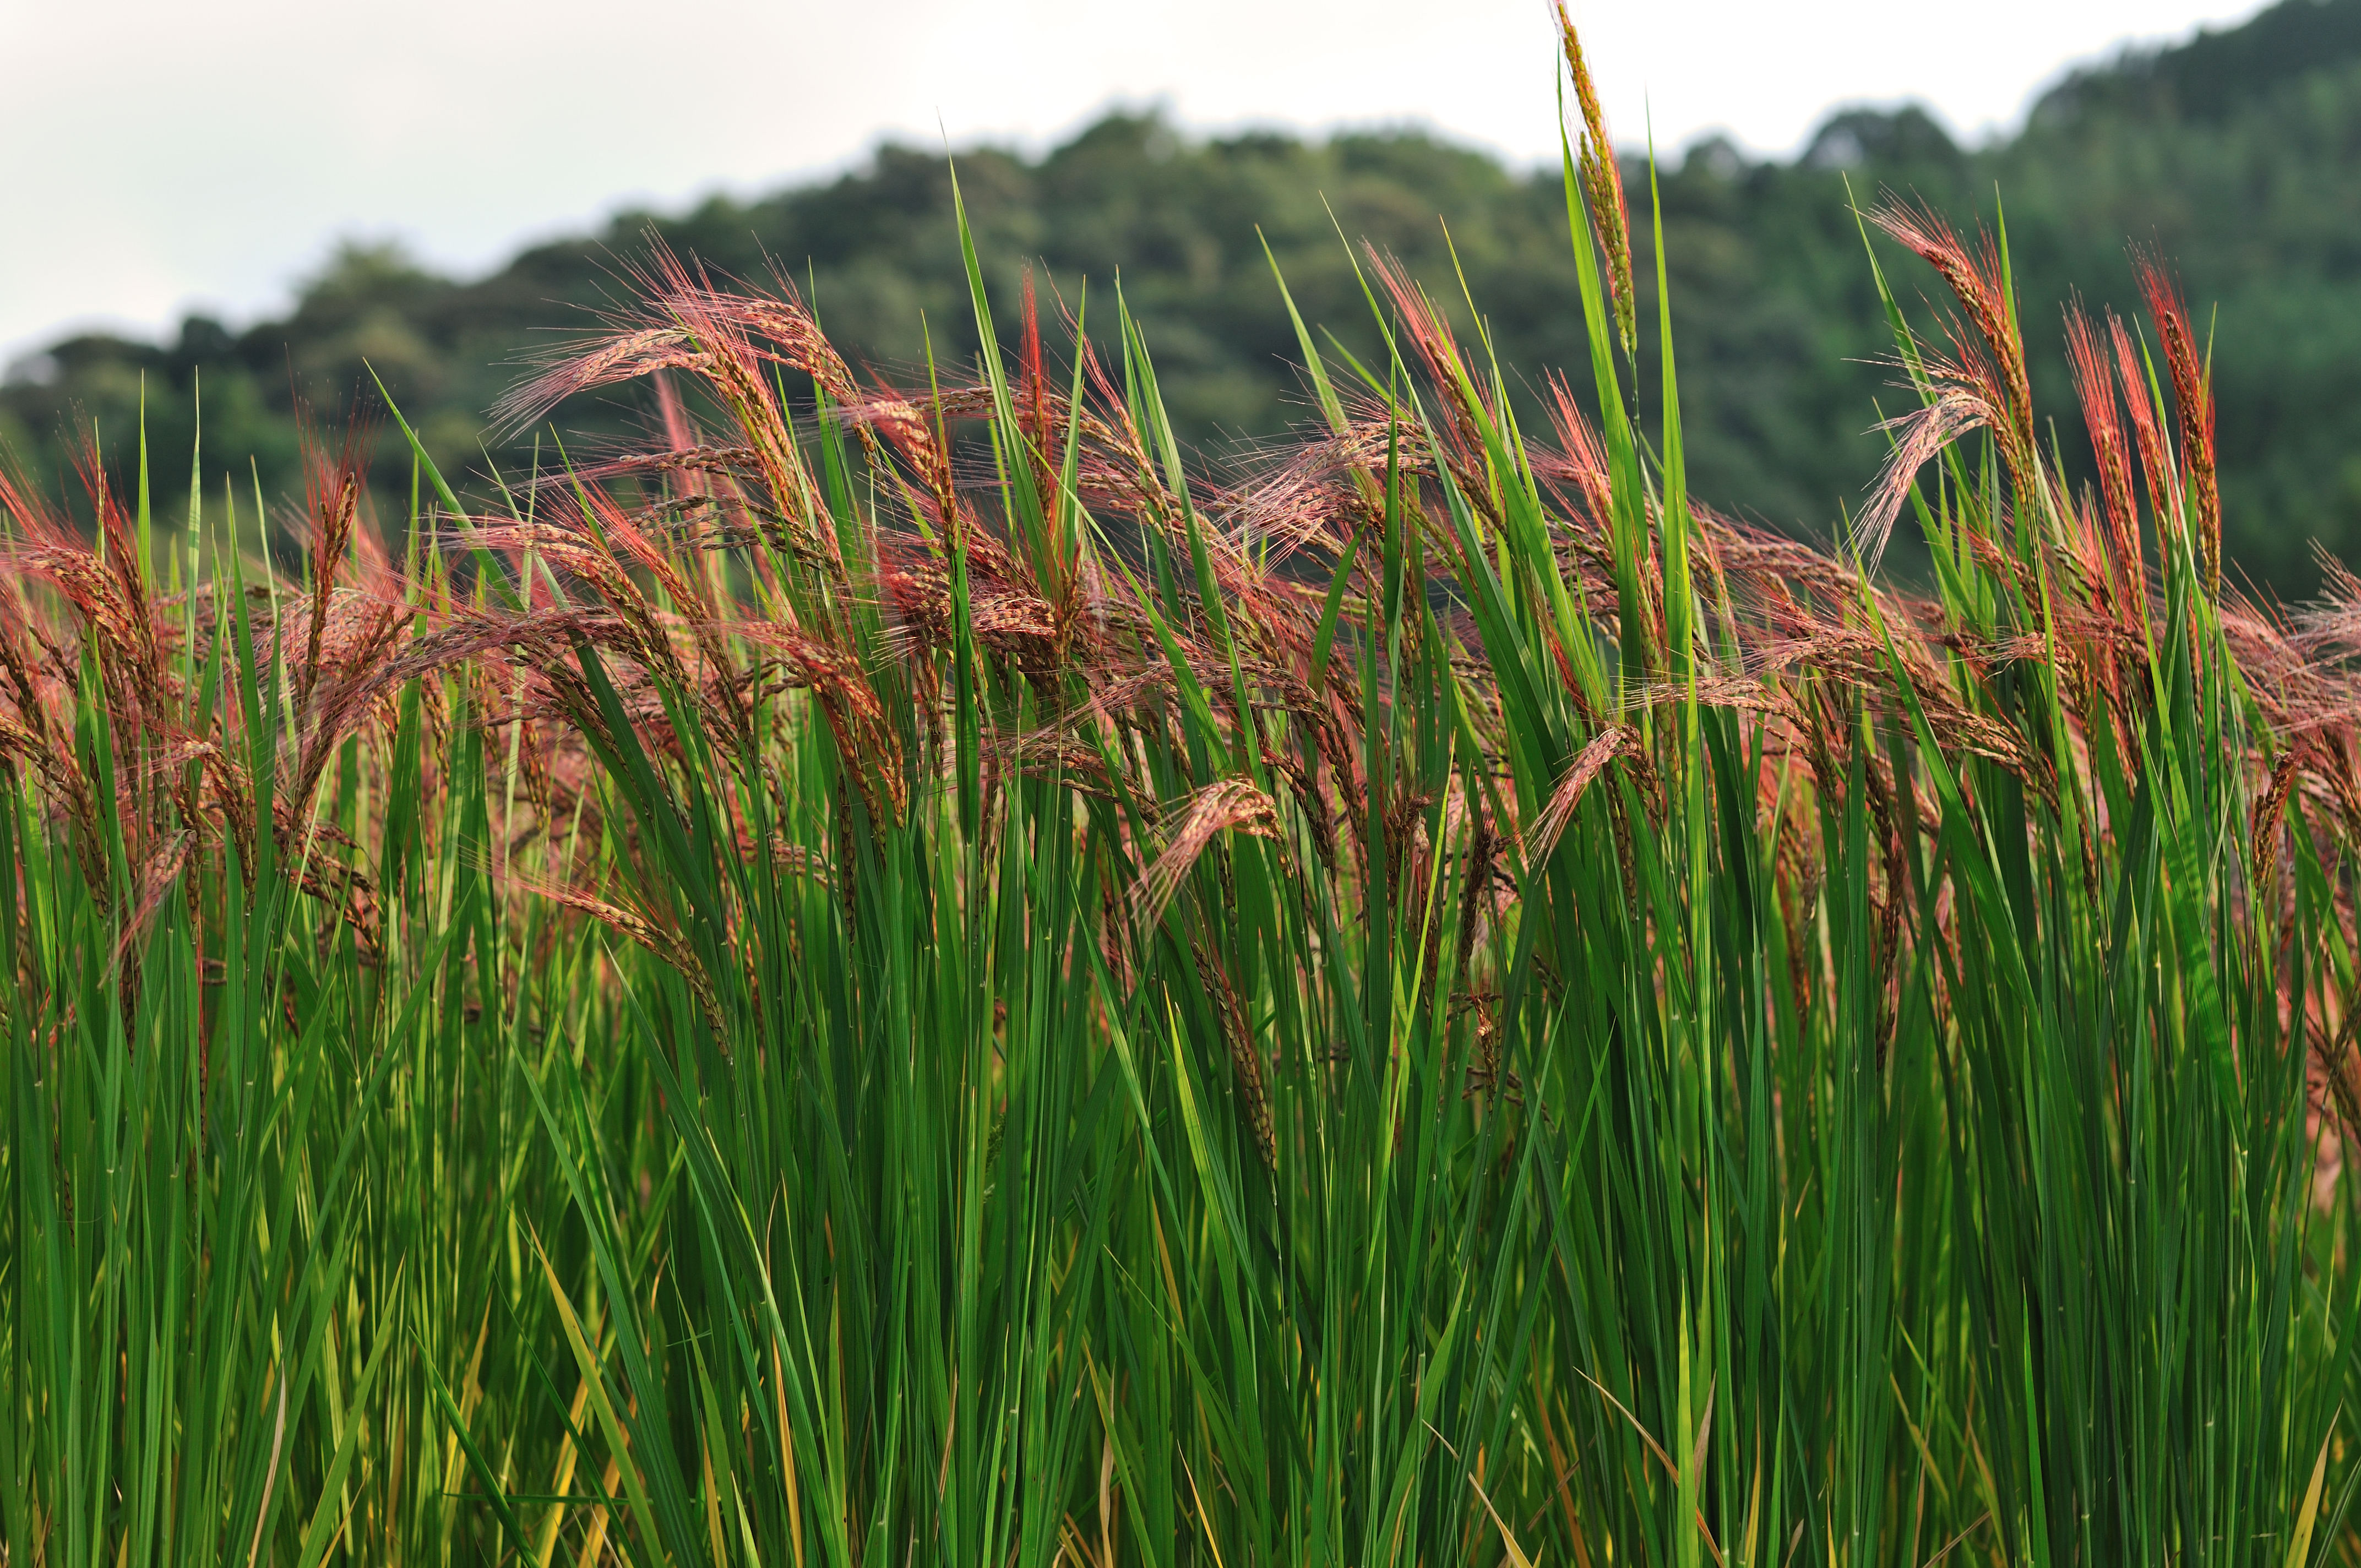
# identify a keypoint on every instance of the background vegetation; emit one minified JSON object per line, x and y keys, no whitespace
{"x":2232,"y":156}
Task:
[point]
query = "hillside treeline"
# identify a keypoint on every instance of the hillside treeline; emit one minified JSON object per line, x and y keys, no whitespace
{"x":2234,"y":156}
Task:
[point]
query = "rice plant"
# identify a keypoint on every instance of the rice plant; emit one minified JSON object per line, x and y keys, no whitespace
{"x":907,"y":975}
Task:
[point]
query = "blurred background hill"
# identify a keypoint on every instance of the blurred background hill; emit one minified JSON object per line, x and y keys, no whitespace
{"x":2236,"y":156}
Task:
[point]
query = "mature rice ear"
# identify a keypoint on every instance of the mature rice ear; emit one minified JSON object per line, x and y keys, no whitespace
{"x":1978,"y":281}
{"x":1602,"y":186}
{"x":1437,"y":348}
{"x":159,"y":872}
{"x":40,"y":735}
{"x":656,"y":937}
{"x":1583,"y":453}
{"x":1922,"y":433}
{"x":2094,"y":382}
{"x":2156,"y":465}
{"x":2193,"y":395}
{"x":106,"y":590}
{"x":118,"y":543}
{"x":1613,"y":742}
{"x":620,"y":355}
{"x":1428,"y":333}
{"x":333,"y":484}
{"x":2265,"y":831}
{"x":26,"y":519}
{"x":686,"y":324}
{"x":1034,"y":391}
{"x":1227,"y":804}
{"x":913,"y":427}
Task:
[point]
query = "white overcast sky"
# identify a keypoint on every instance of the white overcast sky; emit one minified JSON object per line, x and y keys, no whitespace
{"x":158,"y":155}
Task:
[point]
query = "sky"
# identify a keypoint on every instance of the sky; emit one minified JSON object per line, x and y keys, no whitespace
{"x":161,"y":157}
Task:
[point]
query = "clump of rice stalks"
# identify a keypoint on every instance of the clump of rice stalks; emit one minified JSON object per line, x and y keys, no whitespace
{"x":904,"y":975}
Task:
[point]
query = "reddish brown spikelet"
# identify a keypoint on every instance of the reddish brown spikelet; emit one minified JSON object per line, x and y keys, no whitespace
{"x":781,"y":318}
{"x":2163,"y":486}
{"x":727,"y":340}
{"x":333,"y":488}
{"x":617,"y":356}
{"x":915,"y":430}
{"x":1254,"y":1093}
{"x":109,"y":590}
{"x":1034,"y":380}
{"x":674,"y":328}
{"x":1602,"y":186}
{"x":1231,"y":803}
{"x":1431,"y":335}
{"x":1617,"y":741}
{"x":156,"y":878}
{"x":1922,"y":433}
{"x":37,"y":734}
{"x":2094,"y":381}
{"x":21,"y":664}
{"x":2264,"y":835}
{"x":1586,"y":456}
{"x":655,"y":937}
{"x":2194,"y":395}
{"x":774,"y":326}
{"x":118,"y":545}
{"x":1038,"y":414}
{"x":1977,"y":279}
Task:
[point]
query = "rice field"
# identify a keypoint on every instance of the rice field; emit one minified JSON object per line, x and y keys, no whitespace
{"x":907,"y":975}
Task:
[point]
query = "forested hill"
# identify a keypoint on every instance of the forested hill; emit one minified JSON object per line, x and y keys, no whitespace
{"x":2237,"y":156}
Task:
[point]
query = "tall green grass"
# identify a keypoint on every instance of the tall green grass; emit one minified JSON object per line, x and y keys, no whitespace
{"x":914,"y":980}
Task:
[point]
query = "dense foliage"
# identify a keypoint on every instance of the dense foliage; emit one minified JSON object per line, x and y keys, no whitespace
{"x":2231,"y":154}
